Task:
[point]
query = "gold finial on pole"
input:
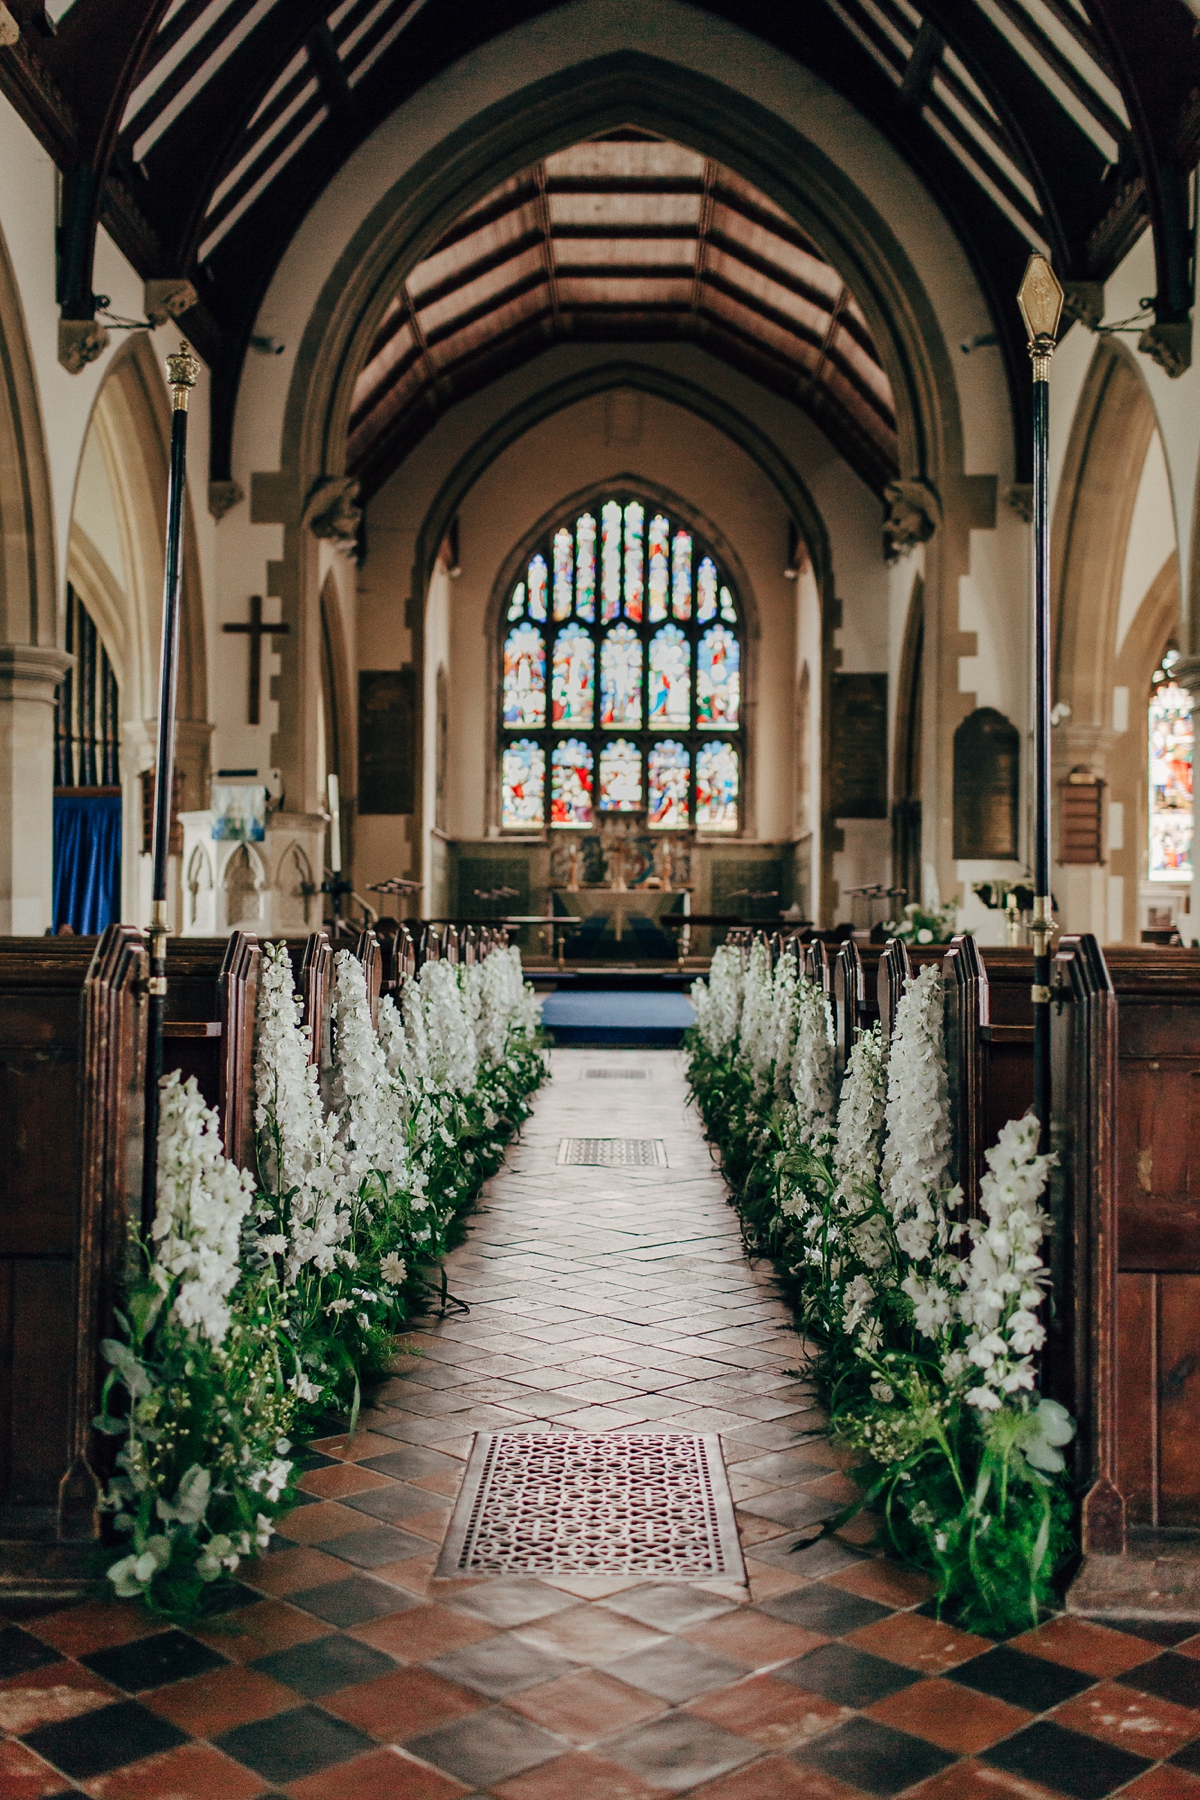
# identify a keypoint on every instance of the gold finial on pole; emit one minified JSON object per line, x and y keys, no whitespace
{"x":183,"y":372}
{"x":1040,"y":298}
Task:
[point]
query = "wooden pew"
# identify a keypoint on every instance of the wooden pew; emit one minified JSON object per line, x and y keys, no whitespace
{"x":208,"y":1032}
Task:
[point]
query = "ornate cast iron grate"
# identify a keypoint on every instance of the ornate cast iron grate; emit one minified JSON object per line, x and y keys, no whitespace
{"x":643,"y":1503}
{"x":613,"y":1153}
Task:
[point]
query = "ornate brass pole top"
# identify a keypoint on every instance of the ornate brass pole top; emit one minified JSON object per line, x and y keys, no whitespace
{"x":1040,"y":298}
{"x":183,"y":372}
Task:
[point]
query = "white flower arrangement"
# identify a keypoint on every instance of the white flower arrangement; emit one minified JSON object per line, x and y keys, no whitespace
{"x":1003,"y":1279}
{"x":718,"y":1001}
{"x":812,"y":1065}
{"x":202,"y":1201}
{"x":916,"y":1152}
{"x":453,"y":1051}
{"x":757,"y":1027}
{"x":370,"y":1125}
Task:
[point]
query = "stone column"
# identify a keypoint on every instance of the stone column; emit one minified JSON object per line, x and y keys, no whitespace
{"x":1187,"y":673}
{"x":29,"y":678}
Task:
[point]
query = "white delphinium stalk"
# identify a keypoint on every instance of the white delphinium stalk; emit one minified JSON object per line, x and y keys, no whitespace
{"x":412,"y":1010}
{"x":757,"y":1031}
{"x":402,"y":1066}
{"x":1004,"y":1279}
{"x":856,"y":1154}
{"x":718,"y":1001}
{"x":296,"y":1149}
{"x":784,"y":1001}
{"x":812,"y":1065}
{"x":510,"y":1007}
{"x":370,"y":1125}
{"x":916,"y":1152}
{"x":453,"y":1054}
{"x":202,"y":1200}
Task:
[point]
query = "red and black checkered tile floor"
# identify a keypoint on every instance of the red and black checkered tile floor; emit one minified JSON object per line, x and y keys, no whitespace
{"x":345,"y":1670}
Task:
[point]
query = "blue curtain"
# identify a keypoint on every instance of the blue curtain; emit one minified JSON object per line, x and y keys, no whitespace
{"x":87,"y":861}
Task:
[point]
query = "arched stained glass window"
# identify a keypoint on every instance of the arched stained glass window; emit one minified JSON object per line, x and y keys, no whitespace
{"x":626,"y":621}
{"x":1170,"y":756}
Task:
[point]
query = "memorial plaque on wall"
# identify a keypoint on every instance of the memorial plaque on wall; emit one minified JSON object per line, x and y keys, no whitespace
{"x":987,"y":785}
{"x":387,"y":740}
{"x":858,"y":740}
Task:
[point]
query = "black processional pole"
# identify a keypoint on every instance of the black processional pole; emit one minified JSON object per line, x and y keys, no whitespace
{"x":182,"y":372}
{"x":1040,"y":298}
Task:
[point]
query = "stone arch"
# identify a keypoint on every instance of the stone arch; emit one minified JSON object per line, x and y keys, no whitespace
{"x":1111,"y":432}
{"x":199,"y":900}
{"x":30,"y":661}
{"x":243,"y":882}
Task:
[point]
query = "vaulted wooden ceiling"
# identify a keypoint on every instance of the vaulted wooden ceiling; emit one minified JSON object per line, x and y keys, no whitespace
{"x":623,"y":238}
{"x":201,"y":132}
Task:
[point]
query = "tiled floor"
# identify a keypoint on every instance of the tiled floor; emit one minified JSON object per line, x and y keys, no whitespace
{"x":599,"y":1299}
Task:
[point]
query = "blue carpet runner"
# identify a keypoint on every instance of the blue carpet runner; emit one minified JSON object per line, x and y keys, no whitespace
{"x":608,"y":1016}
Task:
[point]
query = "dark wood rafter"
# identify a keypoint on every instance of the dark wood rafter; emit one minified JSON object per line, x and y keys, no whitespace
{"x":73,"y":86}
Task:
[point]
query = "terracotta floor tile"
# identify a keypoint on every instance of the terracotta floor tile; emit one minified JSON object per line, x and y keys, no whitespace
{"x":415,"y":1574}
{"x":326,"y":1519}
{"x":766,"y":1582}
{"x":97,"y":1625}
{"x":835,"y":1486}
{"x":212,"y":1703}
{"x":24,"y":1776}
{"x":579,"y":1777}
{"x":753,"y":1530}
{"x":44,"y":1696}
{"x":403,"y":1705}
{"x":355,"y":1449}
{"x":431,"y":1524}
{"x":773,"y":1779}
{"x":333,"y":1481}
{"x":423,"y":1632}
{"x":950,"y":1716}
{"x":447,"y":1484}
{"x":195,"y":1770}
{"x":589,"y":1634}
{"x":754,"y":1639}
{"x":380,"y":1775}
{"x":975,"y":1781}
{"x":1092,"y":1648}
{"x":586,"y":1706}
{"x":290,"y":1570}
{"x":1164,"y":1783}
{"x":776,"y":1714}
{"x":1138,"y":1722}
{"x":920,"y":1643}
{"x":268,"y":1625}
{"x":887,"y":1582}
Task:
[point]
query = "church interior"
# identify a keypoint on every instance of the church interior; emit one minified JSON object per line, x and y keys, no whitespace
{"x":617,"y":504}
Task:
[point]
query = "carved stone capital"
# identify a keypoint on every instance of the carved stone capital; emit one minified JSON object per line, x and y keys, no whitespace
{"x":32,"y":671}
{"x":914,"y":514}
{"x":1084,"y":300}
{"x":167,"y":298}
{"x":223,"y":496}
{"x":331,"y":512}
{"x":1169,"y":345}
{"x":80,"y":342}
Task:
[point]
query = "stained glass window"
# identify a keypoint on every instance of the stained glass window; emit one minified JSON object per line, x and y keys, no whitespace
{"x":537,"y":587}
{"x":572,"y":679}
{"x":622,"y":676}
{"x":620,"y":776}
{"x":670,"y":678}
{"x":571,"y":784}
{"x":1170,"y":746}
{"x":681,"y":576}
{"x":524,"y":676}
{"x":718,"y":677}
{"x":635,"y":515}
{"x":524,"y":782}
{"x":610,"y":561}
{"x":706,"y":591}
{"x":717,"y":787}
{"x":670,"y":778}
{"x":659,"y":569}
{"x":563,"y":572}
{"x":585,"y":568}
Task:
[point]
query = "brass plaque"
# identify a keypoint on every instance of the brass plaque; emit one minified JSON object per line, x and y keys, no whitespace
{"x":387,"y":740}
{"x":858,"y":739}
{"x":987,"y":786}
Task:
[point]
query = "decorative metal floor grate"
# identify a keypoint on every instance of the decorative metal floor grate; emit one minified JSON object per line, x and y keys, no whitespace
{"x":613,"y":1153}
{"x":616,"y":1074}
{"x":644,"y":1503}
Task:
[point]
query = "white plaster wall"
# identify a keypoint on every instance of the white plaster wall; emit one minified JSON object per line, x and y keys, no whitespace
{"x":1151,"y":537}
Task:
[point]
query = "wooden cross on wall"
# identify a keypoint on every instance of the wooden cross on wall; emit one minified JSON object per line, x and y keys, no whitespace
{"x":256,"y":630}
